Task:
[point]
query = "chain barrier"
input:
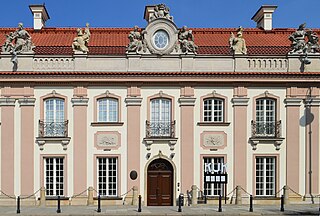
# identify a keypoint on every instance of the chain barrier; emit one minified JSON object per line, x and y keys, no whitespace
{"x":279,"y":191}
{"x":79,"y":194}
{"x":232,"y":191}
{"x":126,"y":192}
{"x":245,"y":191}
{"x":27,"y":197}
{"x":96,"y":191}
{"x":11,"y":197}
{"x":294,"y":192}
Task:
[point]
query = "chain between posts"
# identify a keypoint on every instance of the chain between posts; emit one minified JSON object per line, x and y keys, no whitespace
{"x":79,"y":194}
{"x":279,"y":190}
{"x":232,"y":191}
{"x":245,"y":191}
{"x":11,"y":197}
{"x":27,"y":197}
{"x":126,"y":192}
{"x":294,"y":192}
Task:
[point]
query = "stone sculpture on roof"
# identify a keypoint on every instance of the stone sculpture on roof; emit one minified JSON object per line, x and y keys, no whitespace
{"x":161,"y":11}
{"x":136,"y":41}
{"x":18,"y":42}
{"x":300,"y":45}
{"x":80,"y":43}
{"x":238,"y":44}
{"x":186,"y":40}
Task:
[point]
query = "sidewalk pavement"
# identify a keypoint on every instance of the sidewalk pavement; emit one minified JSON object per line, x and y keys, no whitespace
{"x":298,"y":209}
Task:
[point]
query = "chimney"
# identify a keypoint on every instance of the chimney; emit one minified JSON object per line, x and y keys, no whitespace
{"x":263,"y":17}
{"x":40,"y":16}
{"x":148,"y":12}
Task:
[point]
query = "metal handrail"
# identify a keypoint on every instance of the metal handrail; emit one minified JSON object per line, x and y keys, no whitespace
{"x":270,"y":129}
{"x":53,"y":129}
{"x":160,"y":129}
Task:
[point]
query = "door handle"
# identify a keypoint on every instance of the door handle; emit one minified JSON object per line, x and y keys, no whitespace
{"x":157,"y":192}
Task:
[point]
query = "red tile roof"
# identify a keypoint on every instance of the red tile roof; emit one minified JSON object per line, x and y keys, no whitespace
{"x":113,"y":41}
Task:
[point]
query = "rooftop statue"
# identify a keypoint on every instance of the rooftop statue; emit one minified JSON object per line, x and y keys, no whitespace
{"x":186,"y":40}
{"x":18,"y":42}
{"x":299,"y":43}
{"x":313,"y":42}
{"x":238,"y":44}
{"x":136,"y":41}
{"x":161,"y":11}
{"x":80,"y":43}
{"x":297,"y":38}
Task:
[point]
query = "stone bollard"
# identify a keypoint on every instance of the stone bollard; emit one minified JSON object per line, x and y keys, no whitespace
{"x":286,"y":194}
{"x":135,"y":196}
{"x":194,"y":199}
{"x":90,"y":196}
{"x":42,"y":196}
{"x":238,"y":195}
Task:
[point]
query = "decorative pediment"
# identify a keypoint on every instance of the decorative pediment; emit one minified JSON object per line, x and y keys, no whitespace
{"x":161,"y":36}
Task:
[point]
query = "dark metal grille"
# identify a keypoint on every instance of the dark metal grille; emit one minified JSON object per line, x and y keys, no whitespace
{"x":53,"y":129}
{"x":266,"y":129}
{"x":161,"y":129}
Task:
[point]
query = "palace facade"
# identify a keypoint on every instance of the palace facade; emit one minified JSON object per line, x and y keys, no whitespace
{"x":159,"y":110}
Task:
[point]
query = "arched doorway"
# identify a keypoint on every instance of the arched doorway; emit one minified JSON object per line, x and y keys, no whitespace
{"x":160,"y":183}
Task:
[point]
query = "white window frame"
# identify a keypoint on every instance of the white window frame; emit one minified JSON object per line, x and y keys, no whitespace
{"x":55,"y":114}
{"x":215,"y":111}
{"x":53,"y":178}
{"x":54,"y":119}
{"x":108,"y":109}
{"x":265,"y":187}
{"x":213,"y":189}
{"x":104,"y":175}
{"x":265,"y":117}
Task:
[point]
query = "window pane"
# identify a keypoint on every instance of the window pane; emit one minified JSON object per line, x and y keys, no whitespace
{"x":107,"y":110}
{"x":213,"y":189}
{"x":265,"y":176}
{"x":54,"y":176}
{"x":213,"y":110}
{"x":107,"y":176}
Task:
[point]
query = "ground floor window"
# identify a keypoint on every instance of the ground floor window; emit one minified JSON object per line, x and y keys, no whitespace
{"x":213,"y":189}
{"x":107,"y":176}
{"x":265,"y":176}
{"x":54,"y":176}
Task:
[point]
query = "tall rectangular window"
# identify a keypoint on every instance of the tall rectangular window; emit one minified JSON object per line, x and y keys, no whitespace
{"x":107,"y":110}
{"x":213,"y":189}
{"x":54,"y":124}
{"x":265,"y":176}
{"x":160,"y":123}
{"x":107,"y":176}
{"x":54,"y":176}
{"x":265,"y":117}
{"x":213,"y":110}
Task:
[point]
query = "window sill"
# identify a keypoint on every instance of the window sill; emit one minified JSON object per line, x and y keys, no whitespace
{"x":108,"y":198}
{"x":56,"y":198}
{"x":100,"y":124}
{"x":266,"y":198}
{"x":213,"y":123}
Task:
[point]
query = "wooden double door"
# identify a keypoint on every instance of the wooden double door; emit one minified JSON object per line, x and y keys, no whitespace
{"x":160,"y":183}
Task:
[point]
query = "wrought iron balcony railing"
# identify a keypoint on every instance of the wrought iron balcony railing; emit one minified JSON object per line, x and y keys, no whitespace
{"x":53,"y":129}
{"x":266,"y":129}
{"x":160,"y":129}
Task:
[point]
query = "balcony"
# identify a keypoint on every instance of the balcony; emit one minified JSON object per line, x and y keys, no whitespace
{"x":159,"y":132}
{"x":53,"y":129}
{"x":266,"y":132}
{"x":53,"y":132}
{"x":160,"y":129}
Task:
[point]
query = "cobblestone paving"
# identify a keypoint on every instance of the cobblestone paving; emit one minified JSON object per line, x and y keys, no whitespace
{"x":299,"y":209}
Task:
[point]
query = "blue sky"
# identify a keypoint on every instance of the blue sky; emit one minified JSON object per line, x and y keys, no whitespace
{"x":192,"y":13}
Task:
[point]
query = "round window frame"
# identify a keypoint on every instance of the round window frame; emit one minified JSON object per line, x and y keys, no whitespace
{"x":153,"y":39}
